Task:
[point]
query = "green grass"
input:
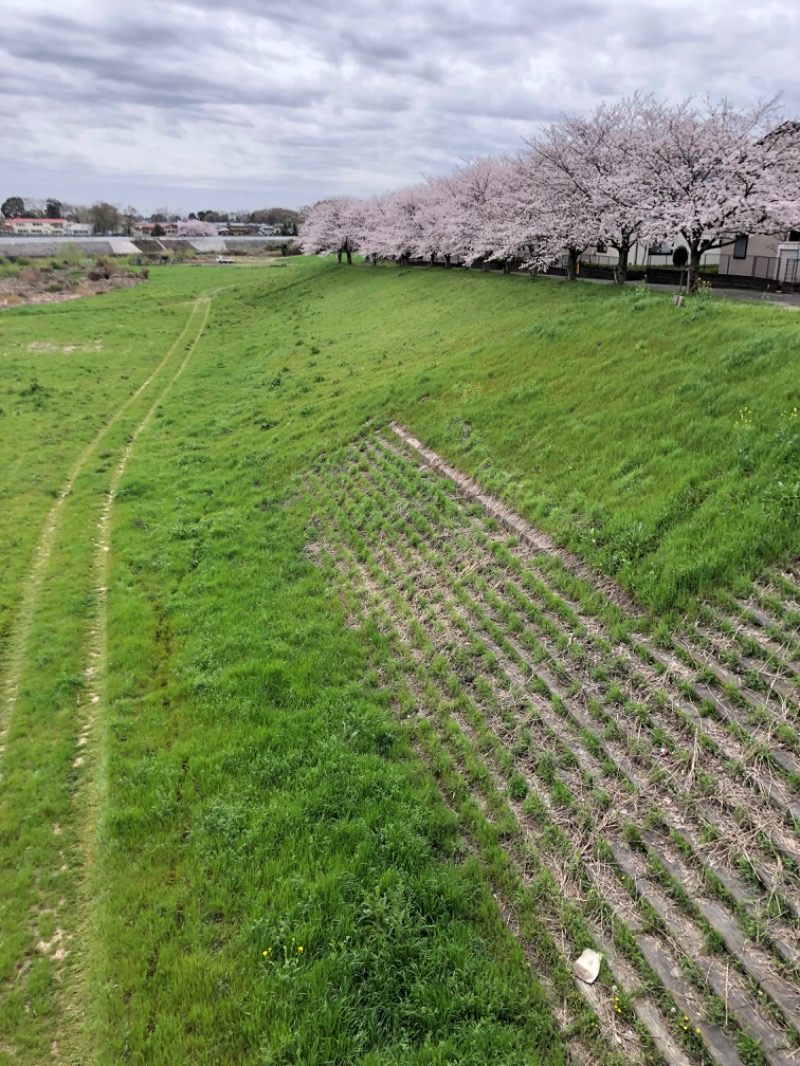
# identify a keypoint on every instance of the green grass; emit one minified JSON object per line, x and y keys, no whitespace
{"x":612,"y":419}
{"x":246,"y":787}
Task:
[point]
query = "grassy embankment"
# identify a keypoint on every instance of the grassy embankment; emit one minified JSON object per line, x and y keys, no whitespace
{"x":244,"y":788}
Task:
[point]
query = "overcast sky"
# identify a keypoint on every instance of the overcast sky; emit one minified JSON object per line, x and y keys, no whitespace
{"x":262,"y":103}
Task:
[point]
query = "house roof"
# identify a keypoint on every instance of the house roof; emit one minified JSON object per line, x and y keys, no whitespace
{"x":19,"y":219}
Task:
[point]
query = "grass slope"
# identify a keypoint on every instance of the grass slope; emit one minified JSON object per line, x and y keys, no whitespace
{"x":662,"y":443}
{"x":245,"y":788}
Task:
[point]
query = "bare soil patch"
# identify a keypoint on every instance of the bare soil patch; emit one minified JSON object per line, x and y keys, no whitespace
{"x":59,"y":282}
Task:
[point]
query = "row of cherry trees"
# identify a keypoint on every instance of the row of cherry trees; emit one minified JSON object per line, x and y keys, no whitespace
{"x":637,"y":170}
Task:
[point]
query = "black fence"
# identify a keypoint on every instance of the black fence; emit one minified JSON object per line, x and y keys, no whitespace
{"x":609,"y":262}
{"x":760,"y":272}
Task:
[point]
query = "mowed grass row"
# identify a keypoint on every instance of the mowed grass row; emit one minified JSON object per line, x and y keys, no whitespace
{"x":581,"y":738}
{"x":245,"y":788}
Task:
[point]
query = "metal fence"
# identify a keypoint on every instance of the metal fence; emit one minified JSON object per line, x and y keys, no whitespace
{"x":661,"y":259}
{"x":598,"y":259}
{"x":780,"y":269}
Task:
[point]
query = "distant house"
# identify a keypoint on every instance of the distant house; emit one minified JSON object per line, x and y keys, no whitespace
{"x":774,"y":257}
{"x":789,"y":253}
{"x":642,"y":253}
{"x":239,"y":229}
{"x":757,"y":255}
{"x":145,"y":229}
{"x":79,"y":229}
{"x":37,"y":227}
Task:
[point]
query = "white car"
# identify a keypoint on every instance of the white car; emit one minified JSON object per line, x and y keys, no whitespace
{"x":224,"y":259}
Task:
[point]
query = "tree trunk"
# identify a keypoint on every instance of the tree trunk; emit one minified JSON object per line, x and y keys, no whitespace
{"x":694,"y":268}
{"x":339,"y":255}
{"x":433,"y":259}
{"x":447,"y":262}
{"x":621,"y":272}
{"x":349,"y":257}
{"x":572,"y":264}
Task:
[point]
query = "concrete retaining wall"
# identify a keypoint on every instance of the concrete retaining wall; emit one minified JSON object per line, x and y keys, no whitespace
{"x":53,"y":247}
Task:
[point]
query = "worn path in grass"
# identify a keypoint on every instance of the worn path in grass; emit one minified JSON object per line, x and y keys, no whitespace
{"x":31,"y":587}
{"x":46,"y":915}
{"x":648,"y":794}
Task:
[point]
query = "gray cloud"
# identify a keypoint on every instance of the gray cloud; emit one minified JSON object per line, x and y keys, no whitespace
{"x":267,"y":102}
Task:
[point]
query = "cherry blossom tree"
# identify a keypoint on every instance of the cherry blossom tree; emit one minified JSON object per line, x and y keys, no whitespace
{"x":716,"y":173}
{"x":780,"y":153}
{"x":546,"y":214}
{"x":373,"y":238}
{"x":195,"y":227}
{"x":599,"y":164}
{"x":437,"y":217}
{"x":434,"y":220}
{"x":410,"y":223}
{"x":330,"y":227}
{"x":394,"y":226}
{"x":406,"y":214}
{"x":474,"y":224}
